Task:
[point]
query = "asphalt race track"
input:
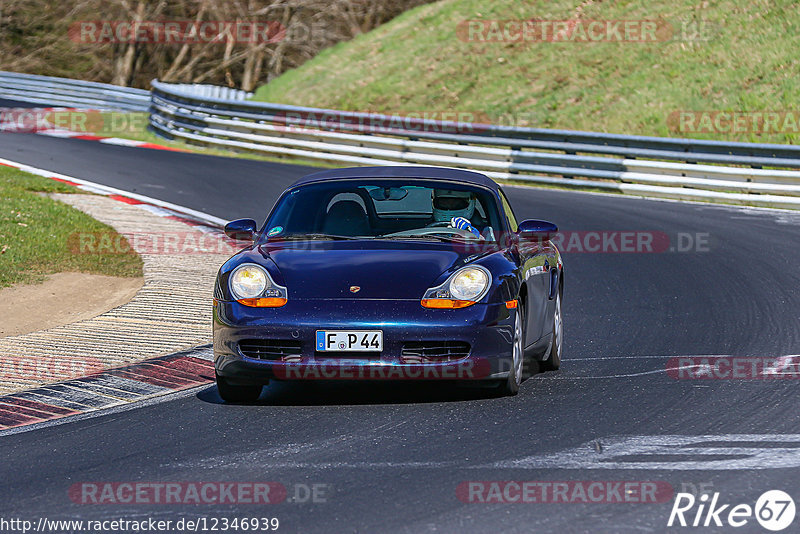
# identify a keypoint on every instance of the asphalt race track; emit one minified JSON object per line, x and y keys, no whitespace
{"x":390,"y":457}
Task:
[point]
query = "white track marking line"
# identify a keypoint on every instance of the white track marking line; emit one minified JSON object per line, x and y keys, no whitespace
{"x":668,"y":356}
{"x":782,"y":362}
{"x":630,"y":375}
{"x":121,"y":142}
{"x":779,"y":451}
{"x":106,"y":190}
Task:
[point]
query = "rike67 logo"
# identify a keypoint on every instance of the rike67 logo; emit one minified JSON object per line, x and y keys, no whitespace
{"x":774,"y":510}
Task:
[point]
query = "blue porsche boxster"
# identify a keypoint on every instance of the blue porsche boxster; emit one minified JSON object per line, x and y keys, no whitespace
{"x":388,"y":273}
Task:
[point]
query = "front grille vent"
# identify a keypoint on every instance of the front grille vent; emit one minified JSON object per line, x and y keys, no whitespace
{"x":434,"y":351}
{"x":271,"y":349}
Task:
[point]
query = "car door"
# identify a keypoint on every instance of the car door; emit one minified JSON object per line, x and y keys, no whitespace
{"x":551,"y":285}
{"x":535,"y":272}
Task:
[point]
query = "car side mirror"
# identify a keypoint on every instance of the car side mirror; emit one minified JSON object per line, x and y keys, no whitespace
{"x":241,"y":229}
{"x":533,"y":230}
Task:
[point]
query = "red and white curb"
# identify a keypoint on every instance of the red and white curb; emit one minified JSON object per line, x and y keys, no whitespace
{"x":115,"y":387}
{"x":42,"y":126}
{"x":107,"y":140}
{"x":157,"y":207}
{"x":106,"y":389}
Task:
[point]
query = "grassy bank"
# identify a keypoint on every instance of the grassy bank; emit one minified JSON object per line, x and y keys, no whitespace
{"x":35,"y":233}
{"x":706,"y":57}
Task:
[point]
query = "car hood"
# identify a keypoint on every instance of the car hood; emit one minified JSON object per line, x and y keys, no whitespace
{"x":381,"y":270}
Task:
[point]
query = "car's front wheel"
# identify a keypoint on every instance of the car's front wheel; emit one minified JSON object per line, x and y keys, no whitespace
{"x":511,"y":385}
{"x":237,"y":393}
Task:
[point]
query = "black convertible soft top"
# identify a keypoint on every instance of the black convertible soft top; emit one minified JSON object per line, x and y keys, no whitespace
{"x":420,"y":172}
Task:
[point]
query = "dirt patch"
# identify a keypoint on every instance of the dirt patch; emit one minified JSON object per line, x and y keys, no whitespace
{"x":62,"y":299}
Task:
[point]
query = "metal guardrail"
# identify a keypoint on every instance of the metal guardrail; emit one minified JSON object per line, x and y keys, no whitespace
{"x":50,"y":90}
{"x":677,"y":168}
{"x":739,"y":173}
{"x":72,"y":93}
{"x":209,"y":91}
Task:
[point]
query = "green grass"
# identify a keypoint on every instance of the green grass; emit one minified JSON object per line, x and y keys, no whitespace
{"x":744,"y":60}
{"x":36,"y":232}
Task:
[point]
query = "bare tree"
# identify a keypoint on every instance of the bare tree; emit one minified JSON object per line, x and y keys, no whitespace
{"x":38,"y":36}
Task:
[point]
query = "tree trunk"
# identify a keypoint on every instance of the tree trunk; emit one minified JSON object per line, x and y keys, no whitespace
{"x":123,"y":67}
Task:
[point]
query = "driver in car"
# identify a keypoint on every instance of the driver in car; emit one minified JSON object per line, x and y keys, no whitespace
{"x":455,"y":209}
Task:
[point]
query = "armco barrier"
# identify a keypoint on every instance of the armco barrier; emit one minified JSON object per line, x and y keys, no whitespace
{"x":739,"y":173}
{"x":52,"y":91}
{"x":65,"y":92}
{"x":695,"y":170}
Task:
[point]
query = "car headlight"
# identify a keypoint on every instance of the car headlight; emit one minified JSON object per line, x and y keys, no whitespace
{"x":469,"y":284}
{"x":464,"y":288}
{"x":251,"y":285}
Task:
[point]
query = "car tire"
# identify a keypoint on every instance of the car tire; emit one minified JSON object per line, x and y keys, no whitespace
{"x":553,"y":361}
{"x":510,"y":386}
{"x":236,"y":393}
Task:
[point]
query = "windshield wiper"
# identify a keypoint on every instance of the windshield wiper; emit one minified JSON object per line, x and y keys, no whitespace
{"x":433,"y":237}
{"x":313,"y":236}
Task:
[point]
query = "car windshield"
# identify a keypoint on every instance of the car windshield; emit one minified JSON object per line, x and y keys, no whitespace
{"x":385,"y":209}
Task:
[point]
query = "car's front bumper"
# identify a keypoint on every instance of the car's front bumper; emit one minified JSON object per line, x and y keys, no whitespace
{"x":487,"y":328}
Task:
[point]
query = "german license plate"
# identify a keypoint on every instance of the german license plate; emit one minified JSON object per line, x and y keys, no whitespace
{"x":349,"y":340}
